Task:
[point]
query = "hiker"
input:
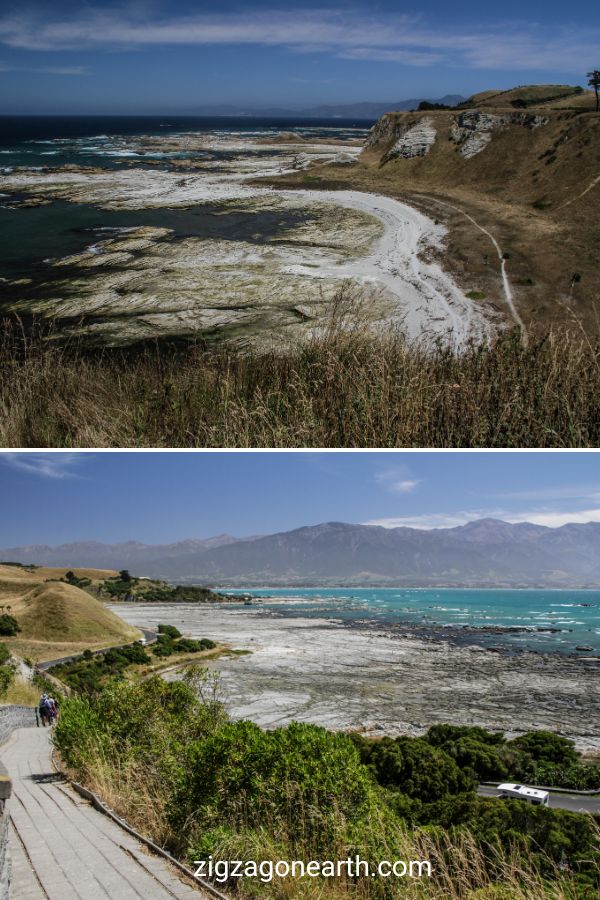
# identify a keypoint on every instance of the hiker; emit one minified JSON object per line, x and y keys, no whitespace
{"x":45,"y":710}
{"x":53,"y":710}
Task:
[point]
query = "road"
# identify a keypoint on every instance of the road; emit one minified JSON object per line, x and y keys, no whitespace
{"x":44,"y":666}
{"x":573,"y":802}
{"x":64,"y":849}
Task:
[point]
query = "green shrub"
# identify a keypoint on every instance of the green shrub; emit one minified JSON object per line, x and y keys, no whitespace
{"x":415,"y":768}
{"x":207,"y":644}
{"x":4,"y":654}
{"x":545,"y":746}
{"x":301,"y":779}
{"x":6,"y":676}
{"x":169,"y":630}
{"x":187,"y":645}
{"x":9,"y":626}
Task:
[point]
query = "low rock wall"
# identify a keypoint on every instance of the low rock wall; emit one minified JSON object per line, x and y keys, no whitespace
{"x":12,"y":717}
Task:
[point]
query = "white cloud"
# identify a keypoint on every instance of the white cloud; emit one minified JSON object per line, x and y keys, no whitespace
{"x":46,"y":465}
{"x":404,"y":487}
{"x":46,"y":70}
{"x":425,"y":522}
{"x":397,"y":480}
{"x":398,"y":38}
{"x":547,"y":517}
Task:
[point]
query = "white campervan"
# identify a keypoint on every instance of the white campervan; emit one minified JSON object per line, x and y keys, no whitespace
{"x":521,"y":792}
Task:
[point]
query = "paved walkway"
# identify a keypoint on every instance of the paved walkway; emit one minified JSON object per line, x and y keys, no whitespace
{"x":64,"y":849}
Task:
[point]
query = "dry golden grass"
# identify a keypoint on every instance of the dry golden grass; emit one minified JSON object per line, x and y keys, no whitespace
{"x":345,"y":389}
{"x":42,"y":651}
{"x":22,"y":693}
{"x":19,"y":575}
{"x":58,"y":619}
{"x":59,"y":612}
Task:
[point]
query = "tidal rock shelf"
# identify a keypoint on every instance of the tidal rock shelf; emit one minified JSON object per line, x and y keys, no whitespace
{"x":317,"y":670}
{"x":151,"y":282}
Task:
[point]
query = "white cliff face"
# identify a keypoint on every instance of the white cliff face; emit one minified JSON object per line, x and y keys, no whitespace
{"x":472,"y":130}
{"x":417,"y":140}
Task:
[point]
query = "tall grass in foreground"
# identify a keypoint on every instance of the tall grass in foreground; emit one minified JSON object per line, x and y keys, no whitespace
{"x":166,"y":758}
{"x":341,"y":389}
{"x":462,"y":869}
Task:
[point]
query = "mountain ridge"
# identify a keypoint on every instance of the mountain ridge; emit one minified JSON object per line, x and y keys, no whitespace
{"x":482,"y":552}
{"x":365,"y":110}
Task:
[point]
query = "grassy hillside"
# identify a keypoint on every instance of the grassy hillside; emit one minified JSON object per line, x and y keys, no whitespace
{"x":533,"y":183}
{"x":539,"y":95}
{"x":55,"y":618}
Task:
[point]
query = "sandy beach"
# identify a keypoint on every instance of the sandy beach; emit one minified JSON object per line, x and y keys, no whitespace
{"x":320,"y":671}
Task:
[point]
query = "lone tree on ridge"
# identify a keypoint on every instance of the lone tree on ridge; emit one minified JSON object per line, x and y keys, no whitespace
{"x":594,"y":81}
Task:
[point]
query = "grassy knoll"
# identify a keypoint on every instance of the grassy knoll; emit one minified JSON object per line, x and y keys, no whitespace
{"x":165,"y":756}
{"x":344,"y":389}
{"x":56,"y":618}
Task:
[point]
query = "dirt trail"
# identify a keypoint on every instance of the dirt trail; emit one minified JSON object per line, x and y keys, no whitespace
{"x":586,"y":190}
{"x":506,"y":286}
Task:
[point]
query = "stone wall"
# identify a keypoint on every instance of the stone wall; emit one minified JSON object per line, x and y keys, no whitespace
{"x":12,"y":717}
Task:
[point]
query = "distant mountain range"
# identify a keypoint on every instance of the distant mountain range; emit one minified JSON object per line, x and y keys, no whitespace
{"x":366,"y":111}
{"x":487,"y":552}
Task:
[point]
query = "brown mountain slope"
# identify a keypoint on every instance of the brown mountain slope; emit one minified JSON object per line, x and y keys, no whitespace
{"x":61,"y":612}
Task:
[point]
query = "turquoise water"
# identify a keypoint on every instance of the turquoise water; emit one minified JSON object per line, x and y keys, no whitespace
{"x":541,"y":620}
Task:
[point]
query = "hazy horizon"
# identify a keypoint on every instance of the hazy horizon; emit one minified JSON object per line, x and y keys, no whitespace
{"x":152,"y":58}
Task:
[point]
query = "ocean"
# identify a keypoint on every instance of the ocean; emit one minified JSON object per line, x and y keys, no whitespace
{"x":53,"y":141}
{"x":32,"y":236}
{"x":540,"y":620}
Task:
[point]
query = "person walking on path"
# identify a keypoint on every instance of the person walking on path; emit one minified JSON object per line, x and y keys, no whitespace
{"x":45,"y":710}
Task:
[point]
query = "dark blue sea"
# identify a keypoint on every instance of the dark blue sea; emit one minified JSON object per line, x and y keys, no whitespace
{"x":32,"y":236}
{"x":89,"y":140}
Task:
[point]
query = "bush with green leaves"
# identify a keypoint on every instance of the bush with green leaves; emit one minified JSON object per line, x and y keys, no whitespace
{"x":547,"y":747}
{"x":72,"y":578}
{"x":414,"y":768}
{"x":9,"y":626}
{"x":548,"y":835}
{"x":301,"y":781}
{"x":7,"y":674}
{"x":148,"y":722}
{"x":538,"y":757}
{"x":170,"y":631}
{"x":165,"y":646}
{"x":4,"y":654}
{"x":89,"y":673}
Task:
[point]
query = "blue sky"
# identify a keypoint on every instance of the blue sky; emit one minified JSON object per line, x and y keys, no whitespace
{"x":51,"y":498}
{"x":157,"y":57}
